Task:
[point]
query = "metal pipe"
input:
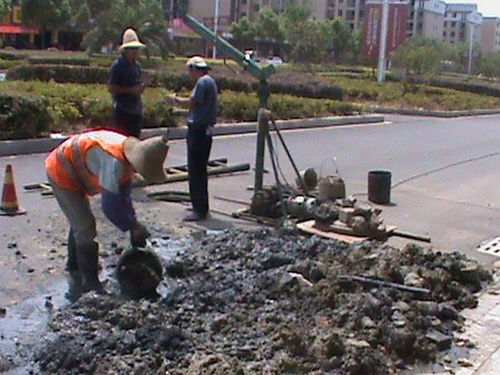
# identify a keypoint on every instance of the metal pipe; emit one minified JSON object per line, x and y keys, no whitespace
{"x":262,"y":131}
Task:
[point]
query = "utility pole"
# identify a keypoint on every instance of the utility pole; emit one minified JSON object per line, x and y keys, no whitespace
{"x":216,"y":25}
{"x":471,"y":49}
{"x":382,"y":61}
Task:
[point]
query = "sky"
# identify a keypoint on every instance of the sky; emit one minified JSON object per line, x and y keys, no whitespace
{"x":487,"y":7}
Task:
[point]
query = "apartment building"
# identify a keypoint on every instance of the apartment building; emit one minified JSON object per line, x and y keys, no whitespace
{"x":427,"y":18}
{"x":399,"y":11}
{"x":351,"y":11}
{"x":462,"y":21}
{"x":490,"y":34}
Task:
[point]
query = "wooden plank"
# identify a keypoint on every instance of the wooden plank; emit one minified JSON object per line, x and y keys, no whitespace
{"x":308,"y":227}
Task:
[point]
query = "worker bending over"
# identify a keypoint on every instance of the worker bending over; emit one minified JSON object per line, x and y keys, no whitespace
{"x":202,"y":117}
{"x":104,"y":162}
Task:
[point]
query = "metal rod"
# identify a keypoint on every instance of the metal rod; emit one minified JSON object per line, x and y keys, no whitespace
{"x":211,"y":172}
{"x":411,"y":236}
{"x":384,"y":284}
{"x":230,"y":200}
{"x":289,"y":154}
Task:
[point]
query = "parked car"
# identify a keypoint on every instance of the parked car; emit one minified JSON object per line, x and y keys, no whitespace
{"x":275,"y":60}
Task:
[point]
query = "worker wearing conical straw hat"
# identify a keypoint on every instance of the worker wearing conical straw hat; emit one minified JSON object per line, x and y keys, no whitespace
{"x":126,"y":84}
{"x":104,"y":162}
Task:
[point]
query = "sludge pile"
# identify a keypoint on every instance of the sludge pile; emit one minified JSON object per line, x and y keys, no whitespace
{"x":266,"y":303}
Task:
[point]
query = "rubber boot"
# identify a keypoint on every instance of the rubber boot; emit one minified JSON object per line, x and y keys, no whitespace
{"x":72,"y":262}
{"x":75,"y":289}
{"x":88,"y":263}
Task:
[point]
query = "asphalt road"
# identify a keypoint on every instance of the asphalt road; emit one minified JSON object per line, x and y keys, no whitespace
{"x":446,"y":171}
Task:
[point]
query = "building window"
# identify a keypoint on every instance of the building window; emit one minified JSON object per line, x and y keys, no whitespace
{"x":452,"y":34}
{"x":453,"y":24}
{"x":341,"y":13}
{"x":444,"y":34}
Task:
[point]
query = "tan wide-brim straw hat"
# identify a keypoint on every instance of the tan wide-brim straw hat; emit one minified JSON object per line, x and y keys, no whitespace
{"x":197,"y":62}
{"x":131,"y":40}
{"x":147,"y":157}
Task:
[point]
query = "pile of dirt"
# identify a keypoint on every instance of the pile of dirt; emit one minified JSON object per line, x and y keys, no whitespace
{"x":272,"y":303}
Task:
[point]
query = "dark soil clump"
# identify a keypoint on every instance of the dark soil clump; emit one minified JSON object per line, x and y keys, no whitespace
{"x":272,"y":303}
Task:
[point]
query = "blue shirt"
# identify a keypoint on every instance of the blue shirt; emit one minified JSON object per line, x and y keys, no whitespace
{"x":204,"y":94}
{"x":126,"y":74}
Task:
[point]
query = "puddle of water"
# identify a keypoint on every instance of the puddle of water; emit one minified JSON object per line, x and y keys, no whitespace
{"x":24,"y":326}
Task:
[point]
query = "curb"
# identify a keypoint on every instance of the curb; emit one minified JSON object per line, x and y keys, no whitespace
{"x":34,"y":146}
{"x":441,"y":114}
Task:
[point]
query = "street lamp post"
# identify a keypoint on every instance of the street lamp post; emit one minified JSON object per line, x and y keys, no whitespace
{"x":382,"y":60}
{"x":471,"y":49}
{"x":216,"y":25}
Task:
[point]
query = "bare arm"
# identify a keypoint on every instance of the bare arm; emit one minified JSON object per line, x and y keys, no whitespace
{"x":183,"y":102}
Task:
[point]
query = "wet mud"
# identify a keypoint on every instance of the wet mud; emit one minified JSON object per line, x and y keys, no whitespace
{"x":270,"y":303}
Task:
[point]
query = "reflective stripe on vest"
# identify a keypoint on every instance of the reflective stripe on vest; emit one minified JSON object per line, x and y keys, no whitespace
{"x":77,"y":174}
{"x":67,"y":166}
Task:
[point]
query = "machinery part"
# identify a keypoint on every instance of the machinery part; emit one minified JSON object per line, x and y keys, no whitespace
{"x":309,"y":178}
{"x":331,"y":188}
{"x":266,"y":203}
{"x":139,"y":272}
{"x":226,"y":49}
{"x":360,"y":225}
{"x":385,"y":284}
{"x":301,"y":207}
{"x":379,"y":187}
{"x":325,"y":214}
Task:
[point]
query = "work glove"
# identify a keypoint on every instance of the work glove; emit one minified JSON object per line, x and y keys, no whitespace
{"x":138,"y":236}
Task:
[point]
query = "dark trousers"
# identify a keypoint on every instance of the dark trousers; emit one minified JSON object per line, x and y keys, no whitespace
{"x":126,"y":123}
{"x":199,"y":144}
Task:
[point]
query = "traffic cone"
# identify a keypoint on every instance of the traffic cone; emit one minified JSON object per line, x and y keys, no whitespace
{"x":9,"y":205}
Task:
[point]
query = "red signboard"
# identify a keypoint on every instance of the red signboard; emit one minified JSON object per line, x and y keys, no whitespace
{"x":397,"y":30}
{"x":17,"y":29}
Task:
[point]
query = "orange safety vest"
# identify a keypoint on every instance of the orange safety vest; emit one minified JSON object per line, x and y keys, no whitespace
{"x":66,"y":165}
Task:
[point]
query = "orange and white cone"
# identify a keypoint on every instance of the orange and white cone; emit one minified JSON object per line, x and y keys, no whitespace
{"x":9,"y":205}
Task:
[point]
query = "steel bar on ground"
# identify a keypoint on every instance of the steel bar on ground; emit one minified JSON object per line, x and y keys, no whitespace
{"x":384,"y":284}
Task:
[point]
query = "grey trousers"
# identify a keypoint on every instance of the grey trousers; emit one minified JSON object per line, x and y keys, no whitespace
{"x":76,"y":208}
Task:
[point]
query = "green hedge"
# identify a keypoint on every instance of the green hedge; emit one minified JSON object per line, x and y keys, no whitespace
{"x":58,"y":60}
{"x":466,"y":87}
{"x":23,"y":116}
{"x":30,"y":109}
{"x":285,"y":83}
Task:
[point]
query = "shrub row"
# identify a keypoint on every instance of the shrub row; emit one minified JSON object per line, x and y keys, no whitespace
{"x":59,"y":60}
{"x":475,"y":88}
{"x":284,"y":83}
{"x":30,"y":109}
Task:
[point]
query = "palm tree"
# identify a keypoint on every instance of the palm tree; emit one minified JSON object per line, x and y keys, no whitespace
{"x":145,"y":16}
